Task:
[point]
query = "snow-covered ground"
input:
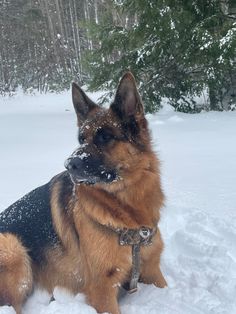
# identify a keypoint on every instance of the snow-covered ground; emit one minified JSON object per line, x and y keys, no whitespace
{"x":198,"y":154}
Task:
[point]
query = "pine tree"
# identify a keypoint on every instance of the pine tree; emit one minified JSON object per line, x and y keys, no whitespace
{"x":174,"y":48}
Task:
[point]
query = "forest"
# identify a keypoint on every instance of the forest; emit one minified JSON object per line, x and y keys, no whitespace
{"x":176,"y":49}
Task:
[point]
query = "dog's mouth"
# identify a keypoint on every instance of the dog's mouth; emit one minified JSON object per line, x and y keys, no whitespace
{"x":91,"y":180}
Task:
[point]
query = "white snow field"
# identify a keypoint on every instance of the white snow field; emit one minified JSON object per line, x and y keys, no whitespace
{"x":198,"y":155}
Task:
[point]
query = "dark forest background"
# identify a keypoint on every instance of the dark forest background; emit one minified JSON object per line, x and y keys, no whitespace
{"x":176,"y":49}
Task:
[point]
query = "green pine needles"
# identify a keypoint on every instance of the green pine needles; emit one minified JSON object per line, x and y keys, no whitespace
{"x":176,"y":49}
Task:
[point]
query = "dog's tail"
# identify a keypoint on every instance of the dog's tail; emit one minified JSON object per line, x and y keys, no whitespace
{"x":15,"y":271}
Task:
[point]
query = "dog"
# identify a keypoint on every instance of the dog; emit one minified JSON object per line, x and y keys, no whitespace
{"x":94,"y":227}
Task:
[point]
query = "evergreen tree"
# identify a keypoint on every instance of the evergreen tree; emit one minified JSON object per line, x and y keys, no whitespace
{"x":174,"y":48}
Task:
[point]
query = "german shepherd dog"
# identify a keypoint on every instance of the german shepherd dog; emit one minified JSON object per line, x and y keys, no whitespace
{"x":93,"y":227}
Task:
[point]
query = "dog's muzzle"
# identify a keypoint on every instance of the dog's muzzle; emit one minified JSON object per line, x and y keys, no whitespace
{"x":89,"y":170}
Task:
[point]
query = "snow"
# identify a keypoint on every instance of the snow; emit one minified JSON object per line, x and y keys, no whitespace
{"x":197,"y":153}
{"x":228,"y":38}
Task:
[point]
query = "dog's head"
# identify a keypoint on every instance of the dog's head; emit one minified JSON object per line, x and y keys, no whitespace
{"x":114,"y":141}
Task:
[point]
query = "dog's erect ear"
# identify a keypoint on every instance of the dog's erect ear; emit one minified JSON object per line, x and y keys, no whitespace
{"x":82,"y":103}
{"x":127,"y":101}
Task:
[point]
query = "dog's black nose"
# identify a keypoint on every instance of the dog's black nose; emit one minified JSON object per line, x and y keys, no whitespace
{"x":73,"y":164}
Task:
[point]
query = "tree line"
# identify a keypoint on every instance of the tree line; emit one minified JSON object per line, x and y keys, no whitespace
{"x":176,"y":48}
{"x":42,"y":42}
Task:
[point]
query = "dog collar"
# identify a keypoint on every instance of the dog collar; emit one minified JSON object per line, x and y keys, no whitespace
{"x":136,"y":238}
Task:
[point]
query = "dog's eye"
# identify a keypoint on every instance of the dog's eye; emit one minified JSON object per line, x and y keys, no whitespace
{"x":103,"y":137}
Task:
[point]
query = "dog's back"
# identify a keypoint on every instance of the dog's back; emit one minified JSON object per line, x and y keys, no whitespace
{"x":30,"y":220}
{"x":26,"y":233}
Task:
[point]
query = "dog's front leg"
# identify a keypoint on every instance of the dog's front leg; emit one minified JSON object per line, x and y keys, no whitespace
{"x":150,"y":269}
{"x":153,"y":276}
{"x":103,"y":297}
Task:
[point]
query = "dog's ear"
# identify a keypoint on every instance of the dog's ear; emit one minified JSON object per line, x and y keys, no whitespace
{"x":82,"y":103}
{"x":127,"y":101}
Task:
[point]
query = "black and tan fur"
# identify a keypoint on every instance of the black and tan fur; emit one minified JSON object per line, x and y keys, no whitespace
{"x":63,"y":233}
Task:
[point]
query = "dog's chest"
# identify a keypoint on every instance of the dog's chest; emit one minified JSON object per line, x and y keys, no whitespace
{"x":101,"y":250}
